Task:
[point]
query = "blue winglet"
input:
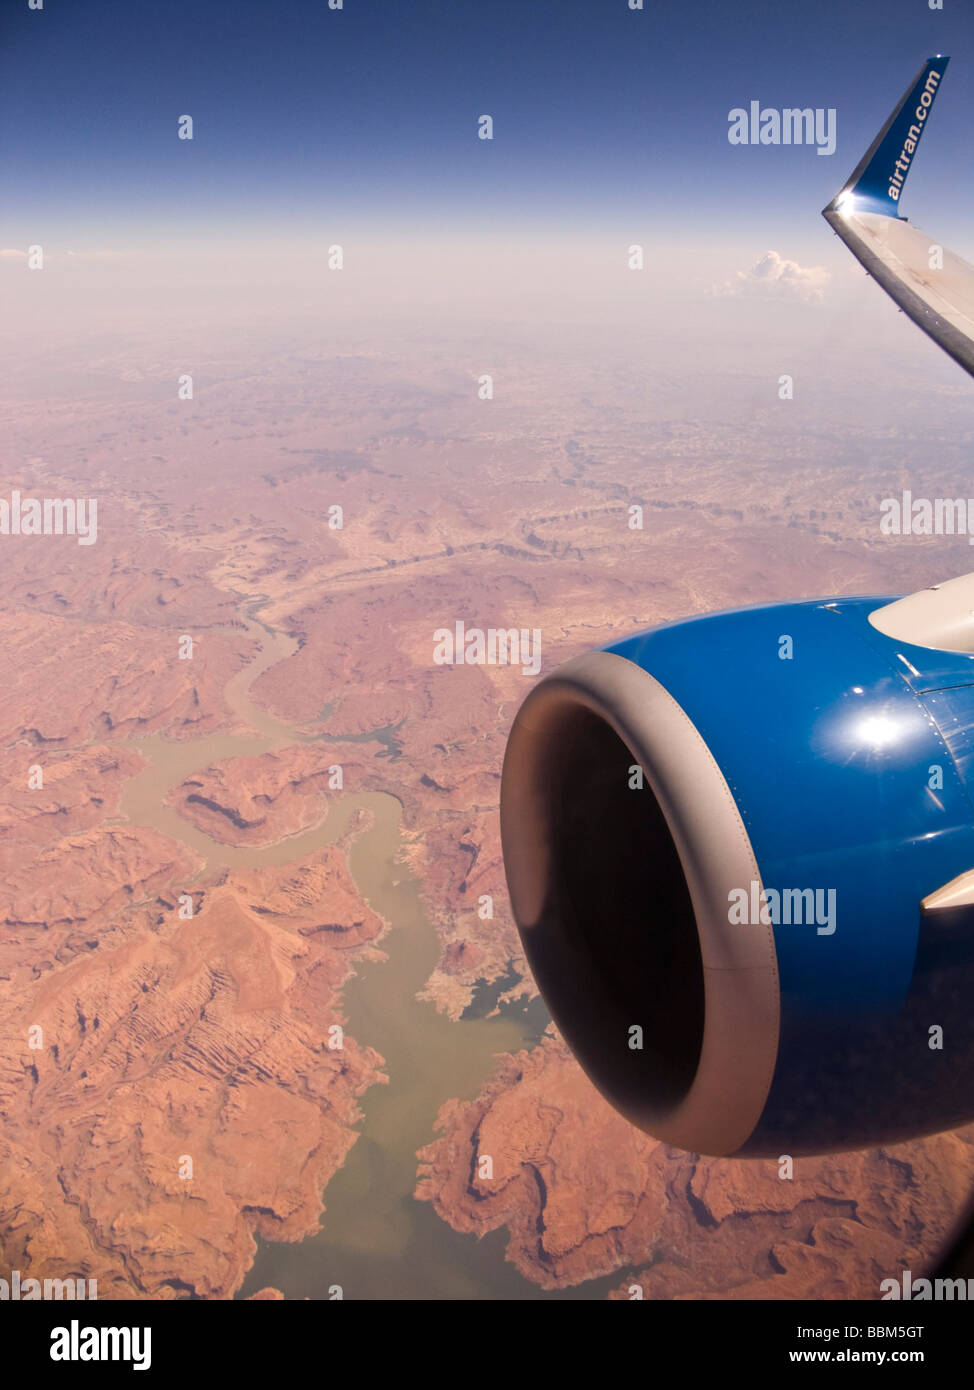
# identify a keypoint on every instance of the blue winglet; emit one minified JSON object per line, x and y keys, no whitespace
{"x":877,"y":183}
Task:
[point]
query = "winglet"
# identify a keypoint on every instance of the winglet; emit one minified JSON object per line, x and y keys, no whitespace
{"x":877,"y":181}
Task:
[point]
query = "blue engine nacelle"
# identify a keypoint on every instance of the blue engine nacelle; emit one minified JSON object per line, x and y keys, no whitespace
{"x":740,"y":854}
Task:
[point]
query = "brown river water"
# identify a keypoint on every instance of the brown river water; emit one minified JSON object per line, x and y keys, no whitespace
{"x":376,"y":1240}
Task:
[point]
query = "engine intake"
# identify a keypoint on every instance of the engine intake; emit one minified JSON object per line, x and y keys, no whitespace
{"x":738,"y":850}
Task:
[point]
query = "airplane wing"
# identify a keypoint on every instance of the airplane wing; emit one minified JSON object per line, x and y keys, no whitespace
{"x":931,"y":285}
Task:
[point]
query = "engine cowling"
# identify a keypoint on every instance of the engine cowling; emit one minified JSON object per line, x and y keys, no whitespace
{"x":739,"y":853}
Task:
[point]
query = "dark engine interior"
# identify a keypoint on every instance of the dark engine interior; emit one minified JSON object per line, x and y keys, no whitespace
{"x":616,"y":946}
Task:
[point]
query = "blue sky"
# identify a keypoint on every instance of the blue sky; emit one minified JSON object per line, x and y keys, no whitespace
{"x":367,"y":116}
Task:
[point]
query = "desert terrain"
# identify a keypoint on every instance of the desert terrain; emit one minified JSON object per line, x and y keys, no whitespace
{"x":181,"y":920}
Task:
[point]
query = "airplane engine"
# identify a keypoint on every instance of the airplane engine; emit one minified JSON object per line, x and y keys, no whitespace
{"x":740,"y":855}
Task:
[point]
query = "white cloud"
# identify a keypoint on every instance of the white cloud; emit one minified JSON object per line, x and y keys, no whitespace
{"x":772,"y":277}
{"x":10,"y":253}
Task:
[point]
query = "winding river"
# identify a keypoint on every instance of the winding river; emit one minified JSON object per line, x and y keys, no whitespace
{"x":376,"y":1240}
